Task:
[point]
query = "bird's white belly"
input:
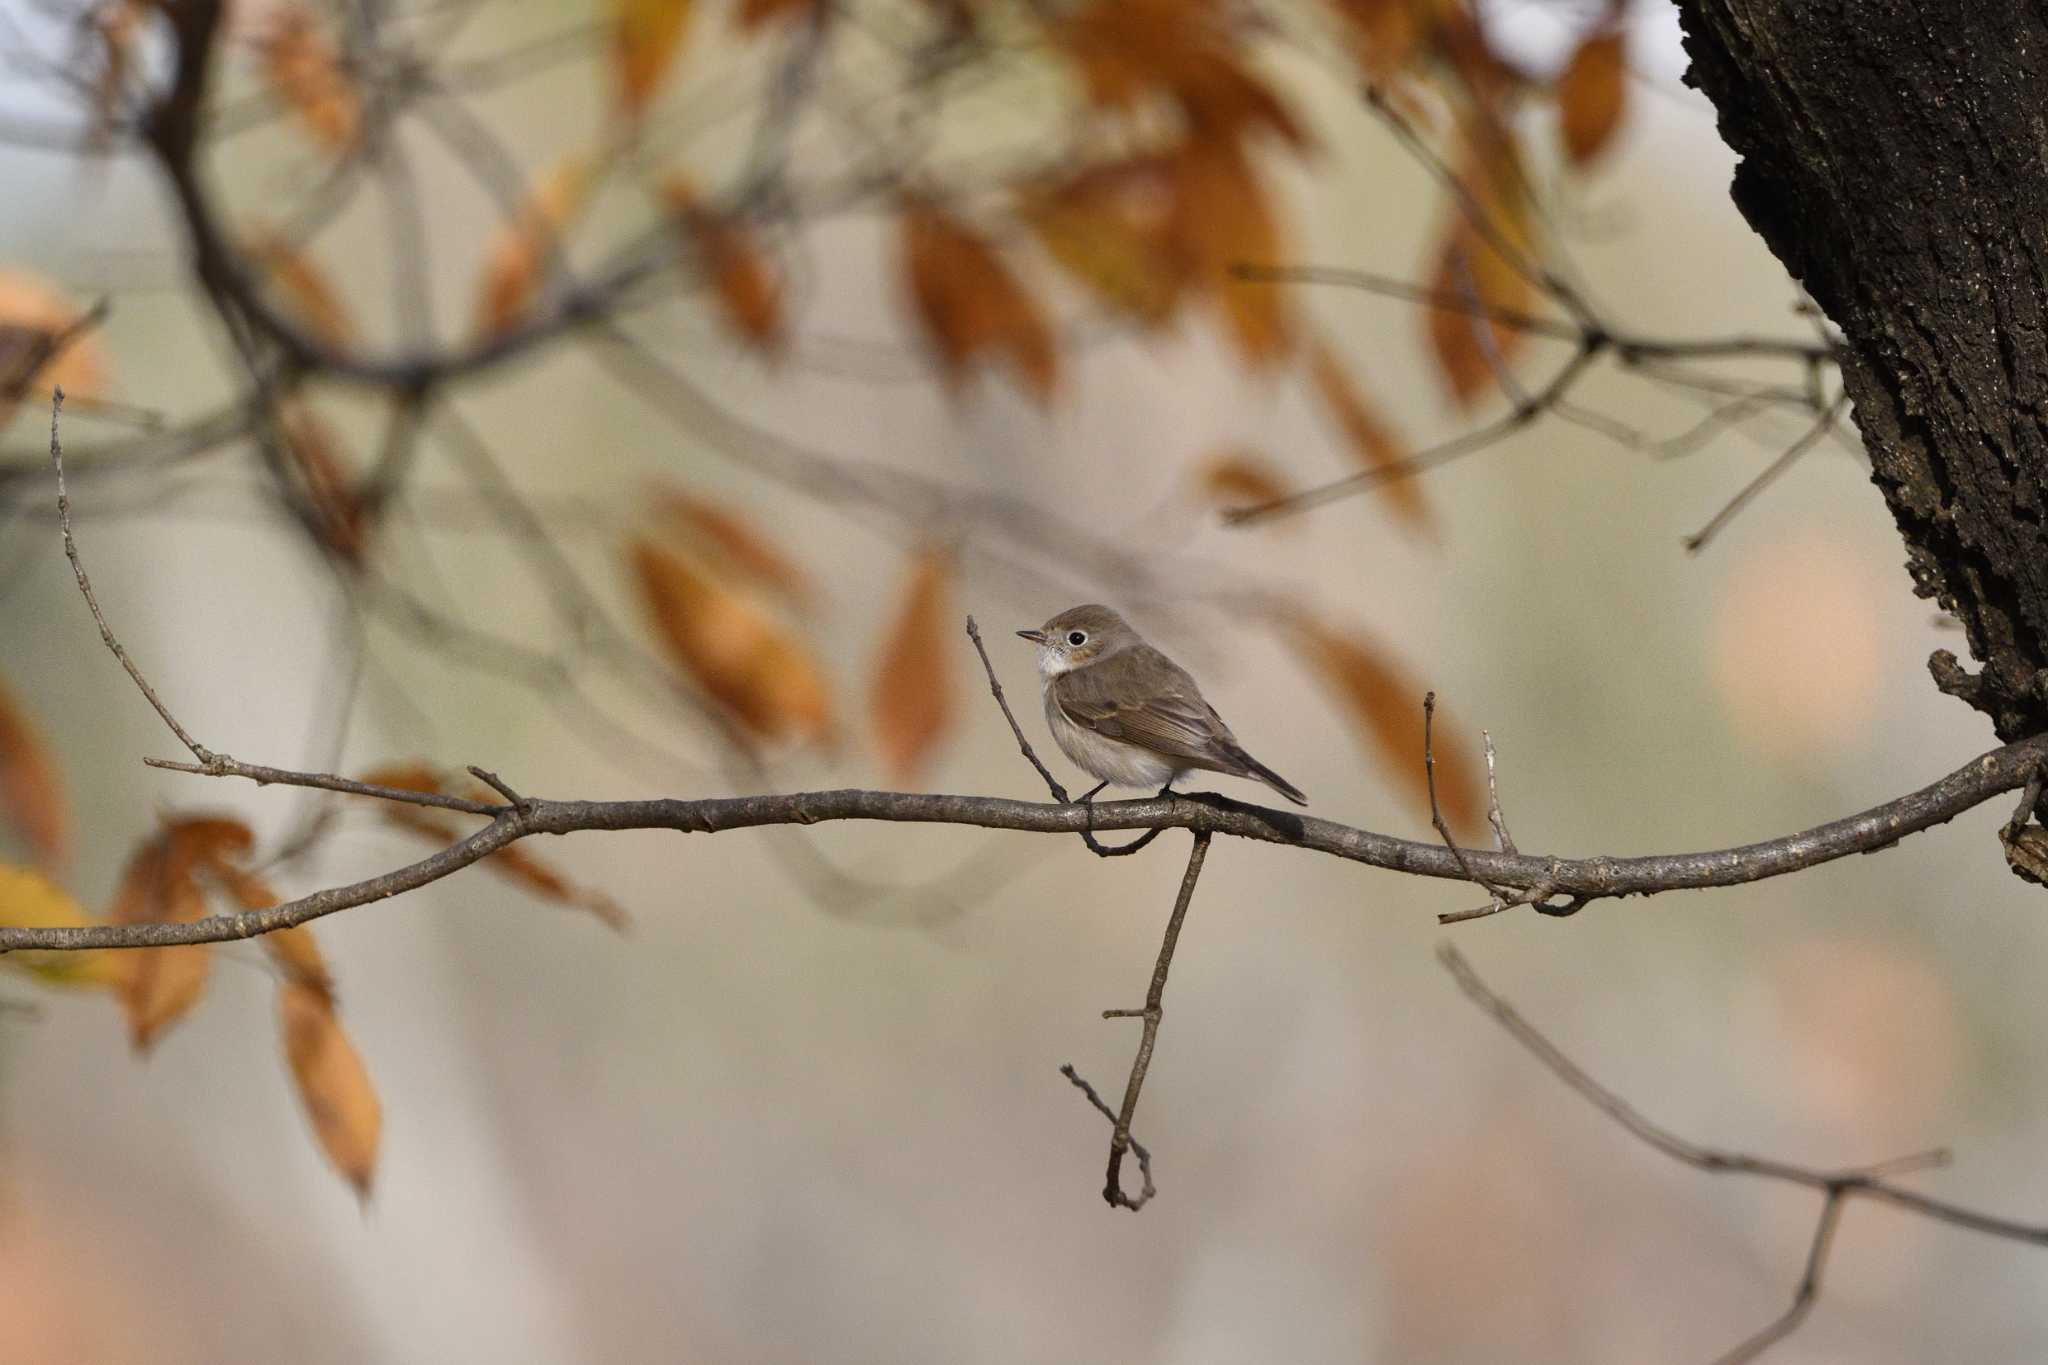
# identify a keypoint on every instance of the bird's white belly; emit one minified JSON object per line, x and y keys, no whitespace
{"x":1111,"y":760}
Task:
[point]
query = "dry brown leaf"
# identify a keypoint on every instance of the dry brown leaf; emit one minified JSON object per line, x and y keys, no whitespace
{"x":970,"y":302}
{"x":1371,"y":440}
{"x":1387,"y":36}
{"x":749,"y":290}
{"x":1384,"y":706}
{"x":294,"y":951}
{"x":754,"y":14}
{"x":732,"y":648}
{"x":731,"y":544}
{"x":913,"y":702}
{"x":158,"y":985}
{"x":1470,"y":340}
{"x":1223,"y":220}
{"x":1591,"y":95}
{"x":31,"y":791}
{"x":1110,"y":227}
{"x":1129,"y":52}
{"x":1240,"y":478}
{"x":33,"y":314}
{"x":303,"y":282}
{"x":335,"y":511}
{"x":332,"y":1081}
{"x":29,"y":900}
{"x":645,"y":41}
{"x":304,"y":71}
{"x":524,"y":250}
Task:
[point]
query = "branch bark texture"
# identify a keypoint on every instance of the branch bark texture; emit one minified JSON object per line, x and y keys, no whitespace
{"x":1893,"y":160}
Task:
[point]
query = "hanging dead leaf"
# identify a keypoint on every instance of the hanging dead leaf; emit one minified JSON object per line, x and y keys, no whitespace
{"x":29,"y":900}
{"x":1370,"y":438}
{"x":1484,"y":266}
{"x":33,"y":316}
{"x":1223,"y":220}
{"x":912,"y":703}
{"x":441,"y":829}
{"x":1591,"y":95}
{"x":158,"y":985}
{"x":749,"y":291}
{"x":1110,"y":227}
{"x":1387,"y":37}
{"x":294,"y":951}
{"x":528,"y":248}
{"x":970,"y":302}
{"x":754,"y":14}
{"x":732,"y":648}
{"x":333,"y":1083}
{"x":1240,"y":478}
{"x":1384,"y":706}
{"x":732,"y":546}
{"x":303,"y":282}
{"x":333,"y":509}
{"x":305,"y":73}
{"x":647,"y":37}
{"x":31,"y":792}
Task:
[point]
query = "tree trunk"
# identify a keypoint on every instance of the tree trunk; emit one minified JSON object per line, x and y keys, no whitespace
{"x":1895,"y":158}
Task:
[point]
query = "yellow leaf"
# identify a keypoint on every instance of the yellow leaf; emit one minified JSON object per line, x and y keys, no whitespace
{"x":1477,"y":281}
{"x":1240,"y":478}
{"x":1384,"y":706}
{"x":307,"y":286}
{"x":1591,"y":95}
{"x":32,"y":316}
{"x":913,"y":701}
{"x":31,"y":793}
{"x":528,"y":246}
{"x":748,"y":288}
{"x":1223,"y":221}
{"x":29,"y":900}
{"x":334,"y":1085}
{"x":970,"y":302}
{"x":1370,"y":438}
{"x":645,"y":41}
{"x":732,"y":648}
{"x":305,"y":73}
{"x":732,"y":545}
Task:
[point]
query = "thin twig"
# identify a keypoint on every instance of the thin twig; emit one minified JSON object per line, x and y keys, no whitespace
{"x":1825,"y":423}
{"x":198,"y":750}
{"x":1144,"y":1156}
{"x":1504,"y":841}
{"x":1788,"y":1322}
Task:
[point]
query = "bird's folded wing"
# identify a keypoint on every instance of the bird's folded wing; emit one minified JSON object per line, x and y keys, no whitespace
{"x":1147,"y":701}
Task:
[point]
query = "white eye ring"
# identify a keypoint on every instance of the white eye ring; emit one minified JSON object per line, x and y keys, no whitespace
{"x":1077,"y":637}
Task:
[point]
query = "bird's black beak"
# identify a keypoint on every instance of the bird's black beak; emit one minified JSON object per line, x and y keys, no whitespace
{"x":1036,"y":637}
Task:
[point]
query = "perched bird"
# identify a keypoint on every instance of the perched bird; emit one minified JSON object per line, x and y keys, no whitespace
{"x":1126,"y":713}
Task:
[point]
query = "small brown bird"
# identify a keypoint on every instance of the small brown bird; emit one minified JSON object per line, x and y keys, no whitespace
{"x":1129,"y":715}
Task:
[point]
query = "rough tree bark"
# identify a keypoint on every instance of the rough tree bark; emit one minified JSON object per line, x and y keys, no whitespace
{"x":1895,"y":158}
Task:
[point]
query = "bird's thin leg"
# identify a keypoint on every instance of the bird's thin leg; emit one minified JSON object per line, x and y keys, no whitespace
{"x":1085,"y":797}
{"x":1100,"y":849}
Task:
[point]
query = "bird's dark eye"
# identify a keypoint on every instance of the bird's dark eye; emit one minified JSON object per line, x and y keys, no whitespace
{"x":1077,"y":637}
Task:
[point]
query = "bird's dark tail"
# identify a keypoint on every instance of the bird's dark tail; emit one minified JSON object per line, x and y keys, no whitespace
{"x":1254,"y":768}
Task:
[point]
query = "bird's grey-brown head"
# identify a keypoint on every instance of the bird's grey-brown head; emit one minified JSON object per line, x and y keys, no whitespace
{"x":1079,"y":636}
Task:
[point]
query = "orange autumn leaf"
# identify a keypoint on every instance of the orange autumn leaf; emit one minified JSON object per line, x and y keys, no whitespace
{"x":754,"y":14}
{"x":300,"y":280}
{"x":1110,"y":228}
{"x":332,"y":1082}
{"x":1484,"y":266}
{"x":29,"y":900}
{"x":33,"y":315}
{"x":525,"y":249}
{"x":294,"y":951}
{"x":732,"y":648}
{"x":1240,"y":478}
{"x":159,"y":985}
{"x":749,"y":290}
{"x":1222,"y":221}
{"x":971,"y":303}
{"x":1591,"y":95}
{"x":304,"y":71}
{"x":334,"y":509}
{"x":1384,"y":707}
{"x":31,"y":791}
{"x":912,"y":703}
{"x":647,"y":36}
{"x":1370,"y":438}
{"x":1387,"y":36}
{"x":732,"y":545}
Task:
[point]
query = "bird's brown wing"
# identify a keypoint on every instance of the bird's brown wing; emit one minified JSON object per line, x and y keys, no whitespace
{"x":1141,"y":697}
